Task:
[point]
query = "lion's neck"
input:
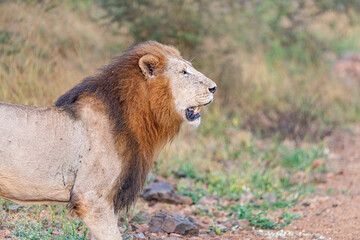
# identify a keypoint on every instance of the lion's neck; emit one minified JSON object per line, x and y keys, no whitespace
{"x":152,"y":117}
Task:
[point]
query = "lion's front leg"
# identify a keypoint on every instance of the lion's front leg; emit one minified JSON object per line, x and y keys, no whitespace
{"x":98,"y":215}
{"x":102,"y":227}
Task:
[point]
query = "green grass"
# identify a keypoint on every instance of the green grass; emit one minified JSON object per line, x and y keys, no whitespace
{"x":242,"y":167}
{"x":260,"y":219}
{"x":46,"y":222}
{"x":74,"y":230}
{"x":195,"y":193}
{"x":299,"y":159}
{"x":38,"y":222}
{"x":247,"y":170}
{"x":287,"y":218}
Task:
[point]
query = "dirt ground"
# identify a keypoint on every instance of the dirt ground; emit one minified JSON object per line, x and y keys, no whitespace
{"x":336,"y":215}
{"x":333,"y":212}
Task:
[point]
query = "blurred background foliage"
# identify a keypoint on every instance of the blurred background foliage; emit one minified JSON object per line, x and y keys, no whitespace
{"x":270,"y":58}
{"x":273,"y":59}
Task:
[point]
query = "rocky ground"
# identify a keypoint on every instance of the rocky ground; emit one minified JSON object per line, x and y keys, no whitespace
{"x":332,"y":212}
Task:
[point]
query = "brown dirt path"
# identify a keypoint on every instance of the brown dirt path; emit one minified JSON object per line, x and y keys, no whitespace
{"x":335,"y":214}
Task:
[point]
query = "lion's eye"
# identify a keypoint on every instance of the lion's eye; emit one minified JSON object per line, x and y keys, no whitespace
{"x":185,"y":72}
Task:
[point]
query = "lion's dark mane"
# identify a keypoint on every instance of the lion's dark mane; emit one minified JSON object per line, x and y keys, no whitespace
{"x":142,"y":114}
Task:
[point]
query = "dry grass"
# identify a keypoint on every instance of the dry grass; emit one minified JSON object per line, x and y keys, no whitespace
{"x":44,"y":51}
{"x":283,"y":97}
{"x":47,"y":48}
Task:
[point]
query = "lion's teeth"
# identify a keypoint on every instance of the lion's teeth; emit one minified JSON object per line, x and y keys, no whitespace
{"x":196,"y":110}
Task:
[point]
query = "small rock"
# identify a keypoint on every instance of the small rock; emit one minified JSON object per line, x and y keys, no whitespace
{"x":186,"y":200}
{"x":14,"y":207}
{"x":330,"y":175}
{"x":207,"y":201}
{"x":163,"y":192}
{"x":133,"y":227}
{"x":172,"y":214}
{"x":195,"y":222}
{"x":142,"y":228}
{"x":57,"y":232}
{"x":319,"y":177}
{"x":241,"y":223}
{"x":318,"y":213}
{"x":155,"y":238}
{"x":231,"y":223}
{"x":176,"y":235}
{"x":222,"y":228}
{"x":244,"y":224}
{"x":139,"y":236}
{"x":161,"y":223}
{"x":178,"y":173}
{"x":156,"y":223}
{"x":297,"y":208}
{"x":318,"y":163}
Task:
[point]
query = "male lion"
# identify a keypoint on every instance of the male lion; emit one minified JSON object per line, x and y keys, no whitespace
{"x":95,"y":147}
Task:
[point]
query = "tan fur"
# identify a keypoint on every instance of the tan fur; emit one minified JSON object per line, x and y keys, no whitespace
{"x":95,"y":148}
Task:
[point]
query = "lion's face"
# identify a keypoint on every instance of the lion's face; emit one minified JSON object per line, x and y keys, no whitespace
{"x":190,"y":88}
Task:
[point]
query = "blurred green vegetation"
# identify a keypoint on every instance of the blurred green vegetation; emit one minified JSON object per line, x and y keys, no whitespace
{"x":268,"y":57}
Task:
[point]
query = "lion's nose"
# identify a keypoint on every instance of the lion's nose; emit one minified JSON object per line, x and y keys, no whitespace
{"x":212,"y":90}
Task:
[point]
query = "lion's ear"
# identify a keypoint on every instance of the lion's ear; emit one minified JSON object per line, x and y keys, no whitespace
{"x":148,"y":64}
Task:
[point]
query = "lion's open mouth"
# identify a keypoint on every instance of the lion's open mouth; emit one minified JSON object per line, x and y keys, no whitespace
{"x":192,"y":113}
